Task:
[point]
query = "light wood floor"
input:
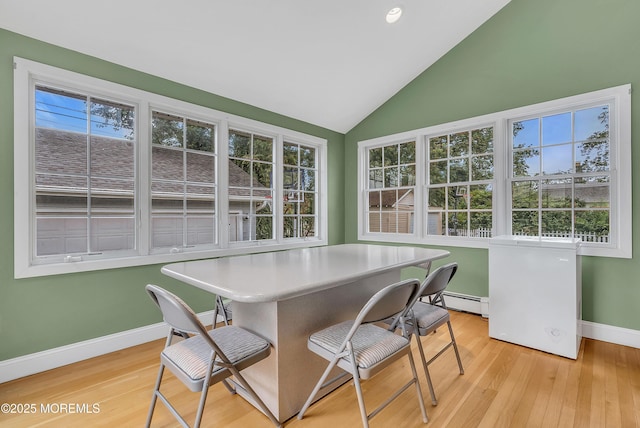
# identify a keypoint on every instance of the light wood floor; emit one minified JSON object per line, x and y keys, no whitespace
{"x":504,"y":385}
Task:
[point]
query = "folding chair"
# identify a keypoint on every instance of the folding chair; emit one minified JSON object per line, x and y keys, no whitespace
{"x":430,"y":316}
{"x":363,"y":349}
{"x":206,"y":358}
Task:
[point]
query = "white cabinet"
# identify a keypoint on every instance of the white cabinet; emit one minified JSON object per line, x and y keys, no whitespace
{"x":535,"y":293}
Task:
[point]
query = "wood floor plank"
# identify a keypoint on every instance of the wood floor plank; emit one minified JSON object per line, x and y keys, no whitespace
{"x":504,"y":385}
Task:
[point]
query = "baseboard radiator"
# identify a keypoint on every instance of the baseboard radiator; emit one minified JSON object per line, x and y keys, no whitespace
{"x":467,"y":303}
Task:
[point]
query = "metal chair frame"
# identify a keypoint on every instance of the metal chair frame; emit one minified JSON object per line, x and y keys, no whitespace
{"x":391,"y":301}
{"x":433,"y":288}
{"x":182,"y":319}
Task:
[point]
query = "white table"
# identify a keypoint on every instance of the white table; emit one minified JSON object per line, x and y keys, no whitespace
{"x":285,"y":296}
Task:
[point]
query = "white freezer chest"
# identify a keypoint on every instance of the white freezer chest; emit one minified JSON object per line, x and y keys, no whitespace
{"x":535,"y":293}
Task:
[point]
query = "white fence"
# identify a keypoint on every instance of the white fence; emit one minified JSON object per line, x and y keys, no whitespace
{"x":486,"y":233}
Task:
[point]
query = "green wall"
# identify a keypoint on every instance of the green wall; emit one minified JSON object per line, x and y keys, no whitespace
{"x":47,"y":312}
{"x":531,"y":51}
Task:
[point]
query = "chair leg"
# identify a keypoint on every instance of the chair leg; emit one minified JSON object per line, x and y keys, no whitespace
{"x":154,"y":398}
{"x":356,"y":384}
{"x":425,"y":419}
{"x":432,"y":392}
{"x":203,"y":395}
{"x":455,"y":348}
{"x":317,"y":388}
{"x":255,"y":396}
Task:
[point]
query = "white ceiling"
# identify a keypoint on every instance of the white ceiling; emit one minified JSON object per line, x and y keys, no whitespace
{"x":330,"y":62}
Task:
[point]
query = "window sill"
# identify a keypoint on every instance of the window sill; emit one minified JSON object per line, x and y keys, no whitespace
{"x":116,"y":263}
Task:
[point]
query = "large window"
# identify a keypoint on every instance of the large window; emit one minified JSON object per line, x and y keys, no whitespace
{"x":183,"y":182}
{"x":460,"y":183}
{"x":561,"y":174}
{"x":84,"y":175}
{"x":300,"y":190}
{"x":250,"y":194}
{"x":558,"y":169}
{"x":109,"y":176}
{"x":391,"y":188}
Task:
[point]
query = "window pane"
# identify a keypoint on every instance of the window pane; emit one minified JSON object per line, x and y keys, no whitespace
{"x":308,"y":225}
{"x":112,"y":233}
{"x":556,"y":223}
{"x":437,"y":198}
{"x":264,"y":227}
{"x":262,"y":173}
{"x":482,"y":140}
{"x":308,"y":179}
{"x":481,"y":224}
{"x":526,"y":133}
{"x":524,"y":223}
{"x":60,"y":110}
{"x":408,"y":153}
{"x":262,"y":148}
{"x":391,"y":155}
{"x":391,"y":177}
{"x":61,"y":235}
{"x":438,"y":172}
{"x":167,"y":130}
{"x":556,"y":129}
{"x":526,"y":163}
{"x":308,"y":203}
{"x":592,"y":156}
{"x":167,"y":164}
{"x":435,"y":223}
{"x":482,"y":167}
{"x":458,"y":170}
{"x":375,"y":157}
{"x":111,"y":157}
{"x":481,"y":196}
{"x":556,"y":193}
{"x":200,"y":167}
{"x":290,"y":154}
{"x":56,"y":150}
{"x":459,"y":145}
{"x":407,"y":175}
{"x":239,"y":144}
{"x":592,"y":123}
{"x":307,"y":157}
{"x":593,"y":226}
{"x":524,"y":194}
{"x":593,"y":192}
{"x":458,"y":224}
{"x":110,"y":119}
{"x":438,"y":147}
{"x":200,"y":136}
{"x":457,"y":197}
{"x":557,"y":159}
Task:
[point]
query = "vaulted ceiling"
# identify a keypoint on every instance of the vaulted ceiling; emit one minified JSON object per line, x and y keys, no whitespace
{"x":330,"y":63}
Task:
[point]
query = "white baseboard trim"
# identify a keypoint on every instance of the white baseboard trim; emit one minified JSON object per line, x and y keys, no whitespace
{"x":608,"y":333}
{"x":590,"y":330}
{"x":57,"y":357}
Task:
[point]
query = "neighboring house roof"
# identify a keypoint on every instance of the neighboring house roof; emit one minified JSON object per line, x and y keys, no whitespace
{"x":389,"y":198}
{"x":112,"y":167}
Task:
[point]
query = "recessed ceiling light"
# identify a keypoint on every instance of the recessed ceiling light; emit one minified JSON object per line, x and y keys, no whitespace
{"x":393,"y":15}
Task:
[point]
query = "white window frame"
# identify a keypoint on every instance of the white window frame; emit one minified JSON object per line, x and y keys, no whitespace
{"x":27,"y":73}
{"x":619,"y":99}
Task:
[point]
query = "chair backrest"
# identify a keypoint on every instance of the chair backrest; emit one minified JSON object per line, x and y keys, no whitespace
{"x":438,"y":280}
{"x":175,"y":311}
{"x":389,"y":302}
